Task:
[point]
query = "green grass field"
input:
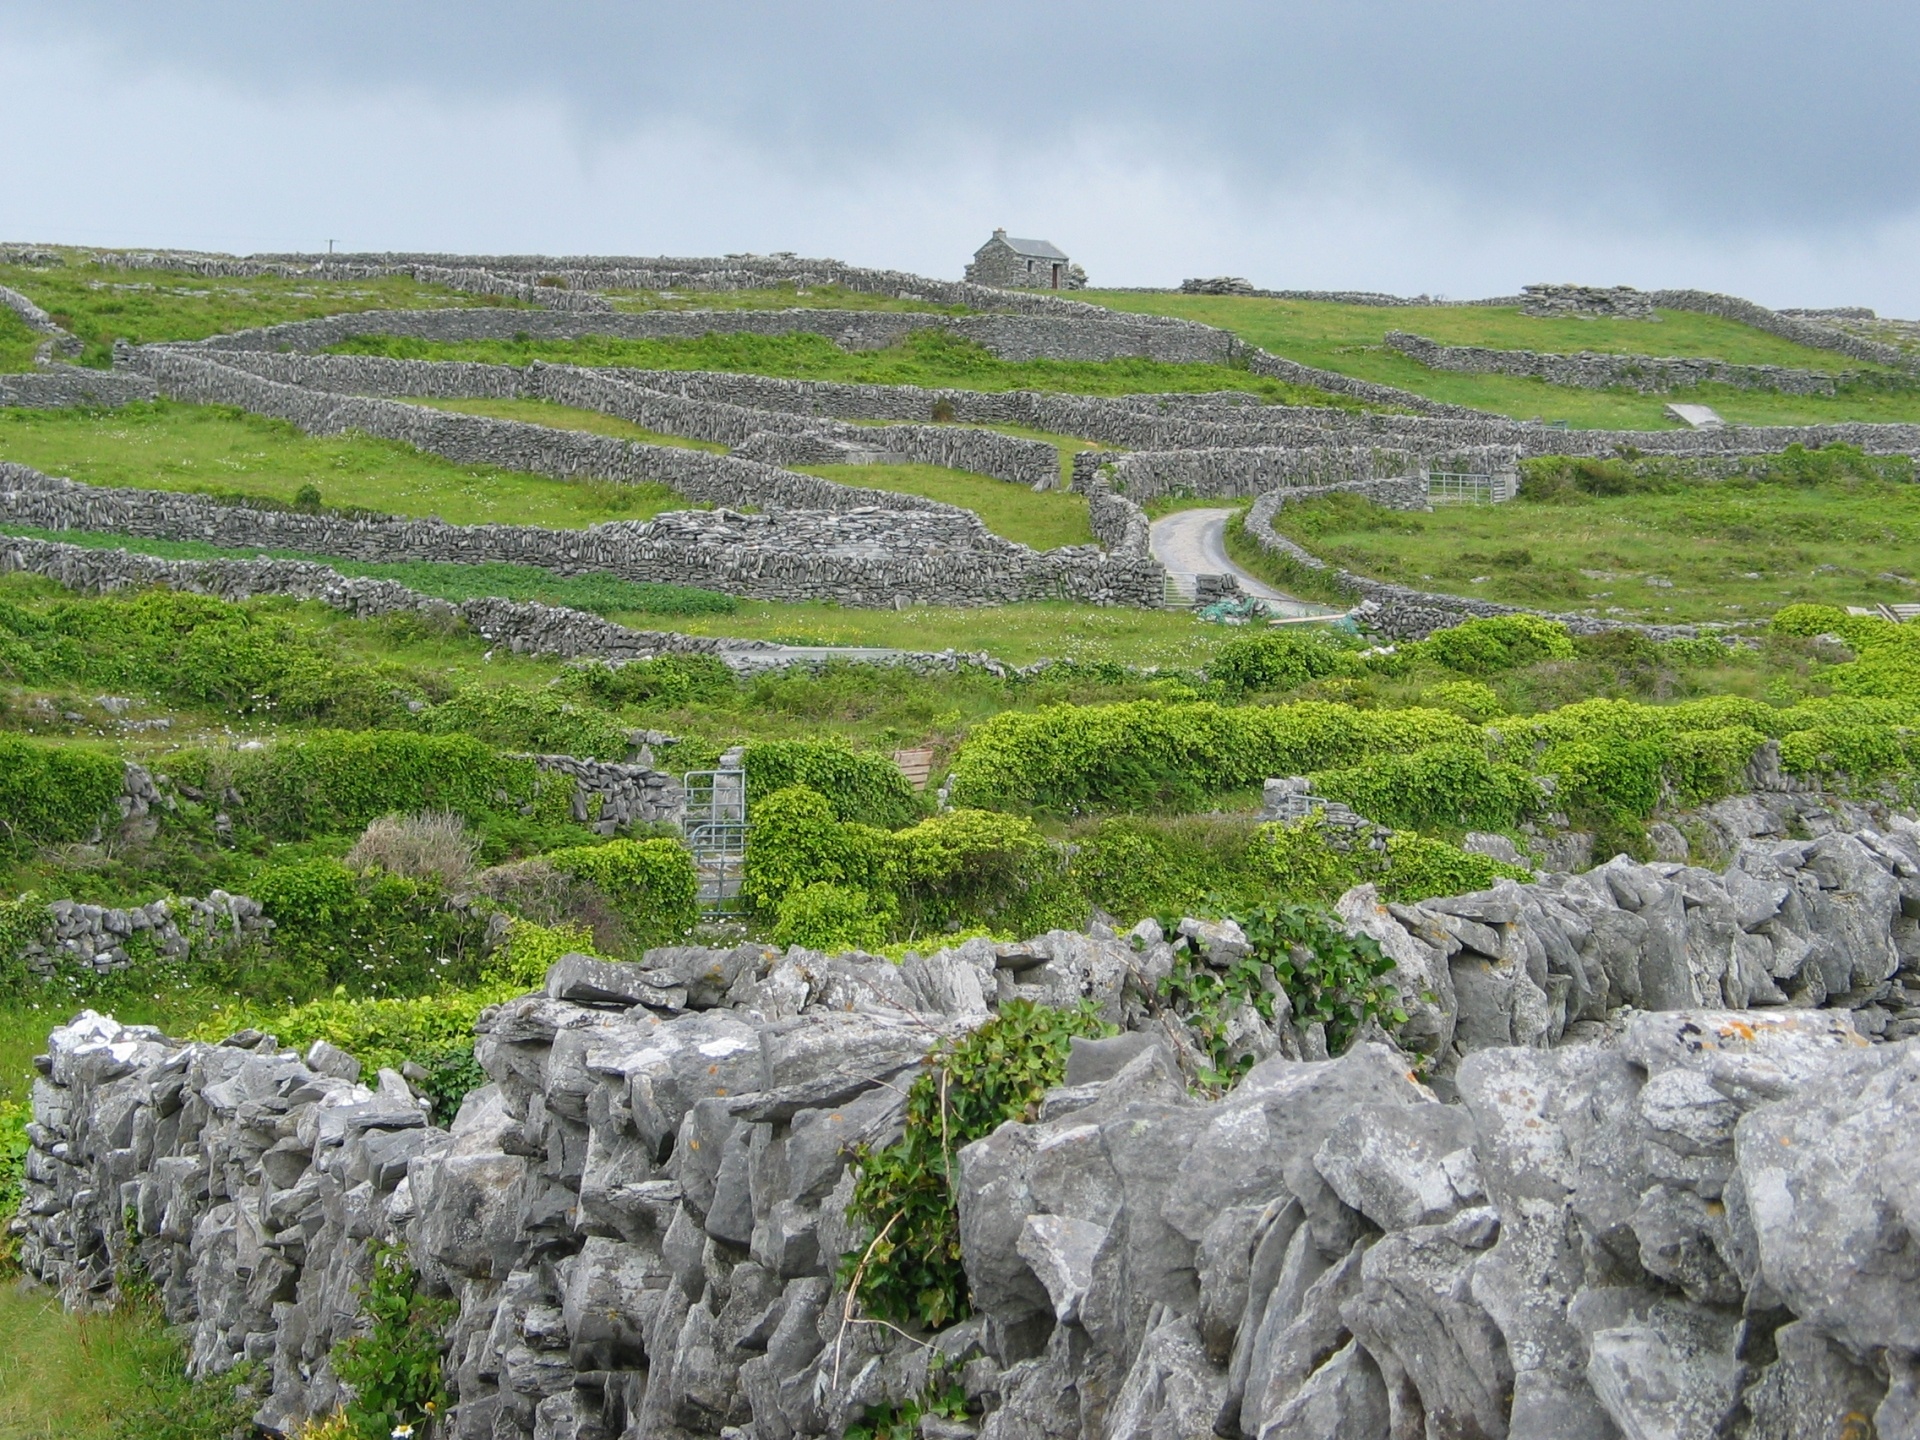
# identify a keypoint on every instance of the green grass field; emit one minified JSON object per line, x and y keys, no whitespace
{"x":928,"y":358}
{"x":102,"y":304}
{"x":1044,"y":519}
{"x":17,"y":342}
{"x":208,"y":449}
{"x":1726,"y":551}
{"x":602,"y":594}
{"x":110,"y":1376}
{"x":775,"y":297}
{"x":1017,"y":634}
{"x":1348,"y":338}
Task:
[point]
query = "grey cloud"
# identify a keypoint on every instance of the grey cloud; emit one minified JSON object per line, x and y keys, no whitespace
{"x":1703,"y":117}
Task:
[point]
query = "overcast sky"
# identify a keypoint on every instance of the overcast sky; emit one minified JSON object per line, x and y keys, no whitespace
{"x":1766,"y":147}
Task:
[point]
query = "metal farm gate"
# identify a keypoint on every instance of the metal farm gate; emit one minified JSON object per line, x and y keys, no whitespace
{"x":1466,"y":487}
{"x":716,"y":829}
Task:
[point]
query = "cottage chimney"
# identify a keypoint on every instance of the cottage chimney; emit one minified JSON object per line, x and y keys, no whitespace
{"x":1000,"y":234}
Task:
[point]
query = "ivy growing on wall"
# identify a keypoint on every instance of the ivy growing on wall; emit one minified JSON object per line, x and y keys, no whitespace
{"x":910,"y":1272}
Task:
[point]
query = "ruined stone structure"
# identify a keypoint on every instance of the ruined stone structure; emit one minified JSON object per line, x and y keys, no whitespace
{"x":1014,"y":264}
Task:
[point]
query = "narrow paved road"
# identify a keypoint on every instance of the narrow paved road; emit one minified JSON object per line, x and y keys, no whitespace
{"x":1194,"y":542}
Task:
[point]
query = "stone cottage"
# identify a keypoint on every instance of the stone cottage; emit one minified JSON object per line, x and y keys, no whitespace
{"x":1024,"y":265}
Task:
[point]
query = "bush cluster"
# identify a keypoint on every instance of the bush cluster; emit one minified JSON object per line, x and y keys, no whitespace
{"x":334,"y":782}
{"x":54,"y":793}
{"x":198,"y":650}
{"x":829,"y":883}
{"x":864,"y":789}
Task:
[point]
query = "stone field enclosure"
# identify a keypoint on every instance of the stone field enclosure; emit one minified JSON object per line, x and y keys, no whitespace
{"x":596,"y":848}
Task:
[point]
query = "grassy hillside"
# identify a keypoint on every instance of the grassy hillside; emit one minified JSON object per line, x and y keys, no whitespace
{"x":1628,"y":541}
{"x":17,"y":342}
{"x":213,"y":450}
{"x":926,"y":357}
{"x":102,"y":303}
{"x":776,"y":297}
{"x":1349,"y":339}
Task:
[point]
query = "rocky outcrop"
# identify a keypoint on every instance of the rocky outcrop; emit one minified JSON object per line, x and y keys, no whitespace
{"x":1610,"y":1201}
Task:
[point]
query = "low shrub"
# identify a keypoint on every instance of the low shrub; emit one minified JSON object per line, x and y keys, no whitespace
{"x":1441,"y":786}
{"x":983,"y":867}
{"x":796,"y":840}
{"x":1155,"y":755}
{"x":1495,"y":644}
{"x":334,"y":782}
{"x":1469,"y":699}
{"x":832,"y":918}
{"x":379,"y":933}
{"x":539,"y":722}
{"x":195,"y":649}
{"x":434,"y":845}
{"x":1331,"y":978}
{"x":392,"y":1368}
{"x":1277,"y":661}
{"x":664,"y":680}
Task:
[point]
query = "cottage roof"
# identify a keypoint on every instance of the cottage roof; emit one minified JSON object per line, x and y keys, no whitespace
{"x":1036,"y":249}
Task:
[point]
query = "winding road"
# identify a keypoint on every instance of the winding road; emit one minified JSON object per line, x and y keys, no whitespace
{"x":1194,"y":542}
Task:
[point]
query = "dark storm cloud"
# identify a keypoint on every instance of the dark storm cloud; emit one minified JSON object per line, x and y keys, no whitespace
{"x":1702,"y":117}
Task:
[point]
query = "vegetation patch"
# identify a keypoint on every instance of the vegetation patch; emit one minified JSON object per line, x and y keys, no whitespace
{"x":1649,"y":539}
{"x":103,"y":303}
{"x":932,"y":358}
{"x":1350,"y":339}
{"x":243,"y":458}
{"x":910,"y":1272}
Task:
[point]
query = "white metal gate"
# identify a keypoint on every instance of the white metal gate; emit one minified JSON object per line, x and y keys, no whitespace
{"x":716,"y":828}
{"x":1461,"y":487}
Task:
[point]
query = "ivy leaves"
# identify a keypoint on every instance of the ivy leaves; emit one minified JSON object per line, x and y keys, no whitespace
{"x":1331,"y":977}
{"x":911,"y":1272}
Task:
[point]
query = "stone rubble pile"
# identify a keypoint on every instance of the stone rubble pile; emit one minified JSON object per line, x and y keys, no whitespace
{"x":97,"y":937}
{"x":1641,"y":1168}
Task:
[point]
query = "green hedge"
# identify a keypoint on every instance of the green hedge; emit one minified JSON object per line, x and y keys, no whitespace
{"x":805,"y":869}
{"x":54,"y":793}
{"x":335,"y":782}
{"x":868,"y":789}
{"x":530,"y":721}
{"x":650,"y":883}
{"x":1150,"y":754}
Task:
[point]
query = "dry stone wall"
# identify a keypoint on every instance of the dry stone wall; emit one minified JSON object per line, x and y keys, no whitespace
{"x":1589,"y":370}
{"x":55,"y":387}
{"x":516,"y":445}
{"x":1146,"y":475}
{"x":1096,"y":335}
{"x":1659,"y":1171}
{"x":743,"y":427}
{"x":1798,"y":329}
{"x":871,"y":558}
{"x":596,"y":272}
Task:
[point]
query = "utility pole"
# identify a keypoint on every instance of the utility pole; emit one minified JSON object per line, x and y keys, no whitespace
{"x":329,"y":247}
